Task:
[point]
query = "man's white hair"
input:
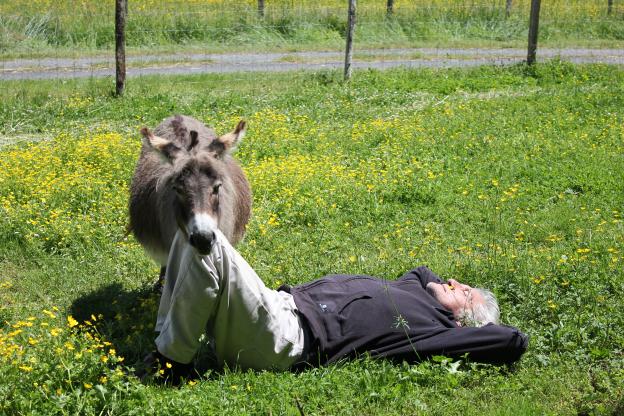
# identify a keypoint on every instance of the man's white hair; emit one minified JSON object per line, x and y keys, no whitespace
{"x":481,"y":313}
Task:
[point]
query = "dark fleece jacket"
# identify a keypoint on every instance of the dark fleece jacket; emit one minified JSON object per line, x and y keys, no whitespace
{"x":350,"y":315}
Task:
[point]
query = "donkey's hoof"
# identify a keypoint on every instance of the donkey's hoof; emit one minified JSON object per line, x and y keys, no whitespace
{"x":157,"y":284}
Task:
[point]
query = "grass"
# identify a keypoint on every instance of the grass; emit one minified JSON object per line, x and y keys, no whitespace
{"x":502,"y":177}
{"x":63,"y":28}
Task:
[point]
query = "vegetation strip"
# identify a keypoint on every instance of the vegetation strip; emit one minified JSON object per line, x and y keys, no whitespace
{"x":508,"y":178}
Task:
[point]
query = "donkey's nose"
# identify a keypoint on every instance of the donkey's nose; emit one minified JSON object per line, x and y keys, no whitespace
{"x":202,"y":241}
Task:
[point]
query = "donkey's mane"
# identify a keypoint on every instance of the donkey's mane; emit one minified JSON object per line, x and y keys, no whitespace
{"x":179,"y":129}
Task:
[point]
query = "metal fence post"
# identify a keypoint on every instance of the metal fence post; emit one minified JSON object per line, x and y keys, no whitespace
{"x":609,"y":6}
{"x":390,"y":7}
{"x":533,"y":27}
{"x":350,"y":30}
{"x":261,"y":8}
{"x":121,"y":10}
{"x":508,"y":8}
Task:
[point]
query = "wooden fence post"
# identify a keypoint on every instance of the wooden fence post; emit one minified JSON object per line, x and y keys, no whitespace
{"x":508,"y":8}
{"x":350,"y":30}
{"x":609,"y":6}
{"x":261,"y":8}
{"x":121,"y":11}
{"x":533,"y":28}
{"x":390,"y":7}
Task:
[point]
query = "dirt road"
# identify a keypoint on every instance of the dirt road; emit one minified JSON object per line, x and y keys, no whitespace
{"x":51,"y":68}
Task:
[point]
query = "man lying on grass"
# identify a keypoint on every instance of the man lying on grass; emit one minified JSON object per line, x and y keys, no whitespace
{"x":252,"y":326}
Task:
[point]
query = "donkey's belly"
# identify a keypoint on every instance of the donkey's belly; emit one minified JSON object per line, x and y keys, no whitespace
{"x":154,"y":234}
{"x":157,"y":253}
{"x":166,"y":233}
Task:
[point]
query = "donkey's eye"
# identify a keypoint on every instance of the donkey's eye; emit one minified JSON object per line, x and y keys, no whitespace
{"x":216,"y":187}
{"x":178,"y":184}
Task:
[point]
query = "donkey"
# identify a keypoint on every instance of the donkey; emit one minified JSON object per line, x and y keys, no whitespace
{"x":186,"y":179}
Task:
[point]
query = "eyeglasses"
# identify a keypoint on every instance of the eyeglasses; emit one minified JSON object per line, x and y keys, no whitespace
{"x":467,"y":292}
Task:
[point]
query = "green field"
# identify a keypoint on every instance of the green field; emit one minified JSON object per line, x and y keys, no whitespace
{"x":506,"y":178}
{"x":36,"y":28}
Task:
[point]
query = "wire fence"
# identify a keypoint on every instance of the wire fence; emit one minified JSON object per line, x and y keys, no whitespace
{"x":58,"y":39}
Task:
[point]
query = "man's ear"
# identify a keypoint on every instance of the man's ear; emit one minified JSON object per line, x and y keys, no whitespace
{"x":165,"y":148}
{"x":228,"y":142}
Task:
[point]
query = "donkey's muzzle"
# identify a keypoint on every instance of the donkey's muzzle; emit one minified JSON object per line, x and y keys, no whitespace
{"x":202,"y":241}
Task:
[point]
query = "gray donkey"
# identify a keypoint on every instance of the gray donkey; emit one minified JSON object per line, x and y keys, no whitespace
{"x":186,"y":179}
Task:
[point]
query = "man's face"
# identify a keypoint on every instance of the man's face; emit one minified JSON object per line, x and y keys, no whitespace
{"x":454,"y":296}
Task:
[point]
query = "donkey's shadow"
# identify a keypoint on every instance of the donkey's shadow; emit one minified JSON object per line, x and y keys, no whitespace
{"x":126,"y":319}
{"x":122,"y":317}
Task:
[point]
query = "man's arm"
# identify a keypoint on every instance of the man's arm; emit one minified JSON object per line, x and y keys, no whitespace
{"x":423,"y":275}
{"x":495,"y":344}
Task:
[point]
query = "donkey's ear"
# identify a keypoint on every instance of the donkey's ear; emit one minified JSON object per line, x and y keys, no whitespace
{"x":229,"y":141}
{"x":165,"y":148}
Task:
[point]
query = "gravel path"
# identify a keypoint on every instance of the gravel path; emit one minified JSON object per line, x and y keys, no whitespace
{"x":51,"y":68}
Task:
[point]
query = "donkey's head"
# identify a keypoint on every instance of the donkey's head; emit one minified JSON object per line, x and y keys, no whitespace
{"x":196,"y":175}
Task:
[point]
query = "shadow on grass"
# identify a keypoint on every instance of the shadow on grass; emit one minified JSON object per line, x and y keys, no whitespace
{"x":619,"y":408}
{"x":122,"y":317}
{"x":126,"y":319}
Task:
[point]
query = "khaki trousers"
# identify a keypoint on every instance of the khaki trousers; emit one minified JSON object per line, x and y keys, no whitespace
{"x":221,"y":296}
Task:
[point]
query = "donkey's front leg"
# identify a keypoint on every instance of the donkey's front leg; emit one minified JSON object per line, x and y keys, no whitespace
{"x":157,"y":286}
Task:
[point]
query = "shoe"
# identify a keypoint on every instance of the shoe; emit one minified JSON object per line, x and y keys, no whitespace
{"x":161,"y":369}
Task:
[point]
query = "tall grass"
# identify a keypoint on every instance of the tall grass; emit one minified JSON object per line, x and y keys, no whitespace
{"x":30,"y":25}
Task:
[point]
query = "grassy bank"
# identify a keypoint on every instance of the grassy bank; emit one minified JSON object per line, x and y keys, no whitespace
{"x":40,"y":28}
{"x":505,"y":178}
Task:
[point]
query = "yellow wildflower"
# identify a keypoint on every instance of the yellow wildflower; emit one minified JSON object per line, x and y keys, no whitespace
{"x":71,"y":322}
{"x":14,"y":333}
{"x":50,"y":314}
